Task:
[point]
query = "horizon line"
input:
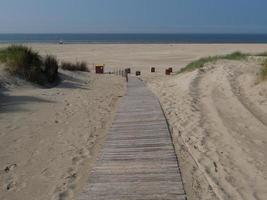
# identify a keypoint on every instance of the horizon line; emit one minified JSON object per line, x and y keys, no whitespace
{"x":136,"y":33}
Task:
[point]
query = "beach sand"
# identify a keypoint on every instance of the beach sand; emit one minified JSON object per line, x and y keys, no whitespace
{"x":218,"y":118}
{"x":49,"y":137}
{"x":142,"y":56}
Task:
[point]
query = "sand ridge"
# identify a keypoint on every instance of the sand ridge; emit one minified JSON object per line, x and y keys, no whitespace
{"x":50,"y":137}
{"x":218,"y":118}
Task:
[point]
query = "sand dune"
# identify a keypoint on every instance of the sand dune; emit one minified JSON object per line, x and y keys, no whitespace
{"x":218,"y":117}
{"x":49,"y":137}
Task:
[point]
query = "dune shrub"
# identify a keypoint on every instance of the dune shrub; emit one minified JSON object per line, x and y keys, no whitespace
{"x":23,"y":61}
{"x":28,"y":64}
{"x":263,"y":54}
{"x":19,"y":58}
{"x":51,"y":68}
{"x":78,"y":66}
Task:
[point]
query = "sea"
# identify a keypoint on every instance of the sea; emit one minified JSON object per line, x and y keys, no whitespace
{"x":132,"y":38}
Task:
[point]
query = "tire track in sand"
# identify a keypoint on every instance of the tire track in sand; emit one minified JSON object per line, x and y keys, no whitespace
{"x":203,"y":156}
{"x":244,"y":100}
{"x":226,"y":125}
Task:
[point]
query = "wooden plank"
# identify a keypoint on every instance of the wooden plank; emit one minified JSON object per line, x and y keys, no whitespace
{"x":137,"y":160}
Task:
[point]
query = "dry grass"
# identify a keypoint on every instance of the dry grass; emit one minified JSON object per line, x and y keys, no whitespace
{"x":202,"y":61}
{"x":51,"y":68}
{"x":28,"y":64}
{"x":78,"y":66}
{"x":263,"y":54}
{"x":263,"y":72}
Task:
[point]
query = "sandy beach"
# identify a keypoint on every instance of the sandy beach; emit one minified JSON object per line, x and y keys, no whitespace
{"x":217,"y":115}
{"x":218,"y":120}
{"x":142,"y":56}
{"x":50,"y":137}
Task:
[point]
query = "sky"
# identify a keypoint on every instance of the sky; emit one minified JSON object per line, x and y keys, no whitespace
{"x":133,"y":16}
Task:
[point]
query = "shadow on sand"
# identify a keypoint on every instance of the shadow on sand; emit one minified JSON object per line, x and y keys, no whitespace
{"x":70,"y":82}
{"x":14,"y":103}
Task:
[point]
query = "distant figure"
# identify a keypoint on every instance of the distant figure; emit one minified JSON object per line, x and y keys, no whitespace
{"x":128,"y":70}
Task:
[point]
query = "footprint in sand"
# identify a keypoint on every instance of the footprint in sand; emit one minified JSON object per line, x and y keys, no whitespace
{"x":75,"y":160}
{"x":10,"y":168}
{"x":65,"y":191}
{"x":10,"y":182}
{"x":84,"y":153}
{"x":11,"y":185}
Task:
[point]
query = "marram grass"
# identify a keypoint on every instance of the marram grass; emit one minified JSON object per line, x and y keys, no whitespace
{"x":28,"y":64}
{"x":202,"y":61}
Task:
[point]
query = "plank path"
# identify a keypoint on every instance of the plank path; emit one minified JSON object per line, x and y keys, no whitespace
{"x":137,"y":161}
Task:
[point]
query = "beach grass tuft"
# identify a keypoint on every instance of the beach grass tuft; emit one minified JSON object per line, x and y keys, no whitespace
{"x":235,"y":56}
{"x":263,"y":72}
{"x":198,"y":64}
{"x":28,"y":64}
{"x":51,"y":68}
{"x":19,"y":58}
{"x":78,"y":66}
{"x":202,"y":61}
{"x":263,"y":54}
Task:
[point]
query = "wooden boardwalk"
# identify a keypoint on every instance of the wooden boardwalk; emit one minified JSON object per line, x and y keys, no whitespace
{"x":137,"y":161}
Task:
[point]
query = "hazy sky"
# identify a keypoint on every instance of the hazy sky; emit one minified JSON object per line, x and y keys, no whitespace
{"x":133,"y":16}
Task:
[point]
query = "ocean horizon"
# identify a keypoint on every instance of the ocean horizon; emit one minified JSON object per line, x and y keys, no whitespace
{"x":82,"y":38}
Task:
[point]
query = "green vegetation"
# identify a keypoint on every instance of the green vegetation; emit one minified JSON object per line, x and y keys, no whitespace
{"x":202,"y":61}
{"x":263,"y":72}
{"x":264,"y":54}
{"x":28,"y":64}
{"x":198,"y":64}
{"x":20,"y":59}
{"x":235,"y":56}
{"x":78,"y":66}
{"x":51,"y":68}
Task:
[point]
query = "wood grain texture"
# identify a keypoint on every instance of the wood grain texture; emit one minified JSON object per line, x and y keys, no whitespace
{"x":137,"y":161}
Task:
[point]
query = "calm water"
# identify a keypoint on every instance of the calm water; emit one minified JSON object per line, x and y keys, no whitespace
{"x":134,"y":38}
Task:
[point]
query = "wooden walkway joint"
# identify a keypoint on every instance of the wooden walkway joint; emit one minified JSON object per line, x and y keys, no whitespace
{"x":137,"y":161}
